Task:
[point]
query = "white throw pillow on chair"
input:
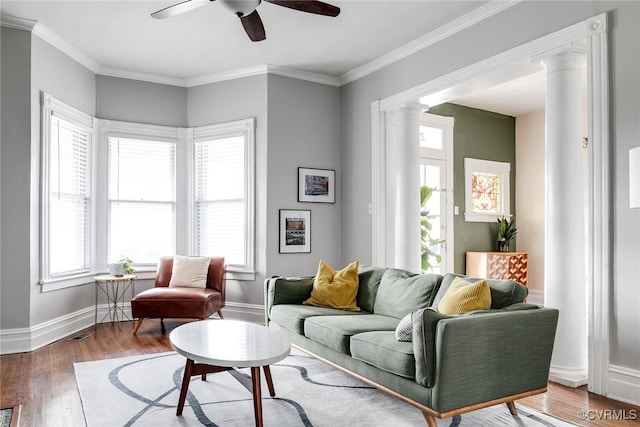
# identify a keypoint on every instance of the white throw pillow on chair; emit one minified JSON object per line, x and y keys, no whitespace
{"x":189,"y":272}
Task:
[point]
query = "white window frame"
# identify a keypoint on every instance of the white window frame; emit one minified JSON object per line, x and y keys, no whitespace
{"x":54,"y":107}
{"x":502,"y":169}
{"x":245,"y":127}
{"x":126,"y":130}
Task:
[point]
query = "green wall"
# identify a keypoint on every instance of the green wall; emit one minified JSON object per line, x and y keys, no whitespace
{"x":481,"y":135}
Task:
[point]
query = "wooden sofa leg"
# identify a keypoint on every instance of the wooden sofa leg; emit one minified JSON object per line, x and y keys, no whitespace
{"x":431,"y":421}
{"x":137,"y":325}
{"x":512,"y":408}
{"x":162,"y":325}
{"x":220,"y":314}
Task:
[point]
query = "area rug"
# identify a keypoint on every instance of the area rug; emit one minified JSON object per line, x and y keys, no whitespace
{"x":143,"y":391}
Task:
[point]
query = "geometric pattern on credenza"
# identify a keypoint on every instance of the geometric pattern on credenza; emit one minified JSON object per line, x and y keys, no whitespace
{"x":518,"y":268}
{"x":508,"y":266}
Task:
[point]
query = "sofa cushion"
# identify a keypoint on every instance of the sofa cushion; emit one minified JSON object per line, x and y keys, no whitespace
{"x":503,"y":292}
{"x":292,"y":316}
{"x":380,"y":349}
{"x":464,"y":296}
{"x":401,"y":292}
{"x":368,"y":283}
{"x":336,"y":331}
{"x":336,"y":289}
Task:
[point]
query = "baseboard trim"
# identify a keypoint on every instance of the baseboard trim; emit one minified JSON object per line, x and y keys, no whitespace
{"x":253,"y":313}
{"x":567,"y":376}
{"x":624,"y":384}
{"x":22,"y":340}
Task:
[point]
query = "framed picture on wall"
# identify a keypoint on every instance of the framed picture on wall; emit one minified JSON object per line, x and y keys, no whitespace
{"x":316,"y":185}
{"x":295,"y":231}
{"x":486,"y":190}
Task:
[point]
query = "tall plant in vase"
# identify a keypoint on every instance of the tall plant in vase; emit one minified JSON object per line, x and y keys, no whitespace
{"x":430,"y":251}
{"x":506,"y":232}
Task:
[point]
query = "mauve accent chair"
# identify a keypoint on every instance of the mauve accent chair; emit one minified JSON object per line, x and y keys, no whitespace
{"x":163,"y":301}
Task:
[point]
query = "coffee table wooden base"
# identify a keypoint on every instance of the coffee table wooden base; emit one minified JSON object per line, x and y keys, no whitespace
{"x":203,"y":369}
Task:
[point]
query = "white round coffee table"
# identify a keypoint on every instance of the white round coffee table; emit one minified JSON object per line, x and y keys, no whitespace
{"x":221,"y":345}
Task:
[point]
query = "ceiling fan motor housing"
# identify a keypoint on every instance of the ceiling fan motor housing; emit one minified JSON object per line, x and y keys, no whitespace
{"x":240,"y":8}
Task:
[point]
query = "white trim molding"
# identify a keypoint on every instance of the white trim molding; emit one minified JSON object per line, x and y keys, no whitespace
{"x":599,"y":221}
{"x":22,"y":340}
{"x":483,"y":12}
{"x":624,"y":385}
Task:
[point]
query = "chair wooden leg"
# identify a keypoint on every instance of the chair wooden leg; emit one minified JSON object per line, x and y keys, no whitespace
{"x":162,"y":325}
{"x":220,"y":314}
{"x":137,"y":325}
{"x":512,"y":408}
{"x":430,"y":419}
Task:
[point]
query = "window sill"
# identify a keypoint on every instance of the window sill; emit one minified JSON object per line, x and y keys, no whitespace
{"x":147,"y":274}
{"x":67,"y":282}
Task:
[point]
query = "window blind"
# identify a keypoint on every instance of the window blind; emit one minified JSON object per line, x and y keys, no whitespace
{"x":142,"y":199}
{"x":69,"y":199}
{"x":220,"y":198}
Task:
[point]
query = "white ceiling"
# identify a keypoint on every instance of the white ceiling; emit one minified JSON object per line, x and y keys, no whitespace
{"x":120,"y":38}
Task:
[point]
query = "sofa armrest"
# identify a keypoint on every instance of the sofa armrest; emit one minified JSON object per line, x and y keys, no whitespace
{"x":285,"y":290}
{"x":484,"y":356}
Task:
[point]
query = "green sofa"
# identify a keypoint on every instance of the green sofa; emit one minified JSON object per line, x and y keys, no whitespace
{"x":454,"y":363}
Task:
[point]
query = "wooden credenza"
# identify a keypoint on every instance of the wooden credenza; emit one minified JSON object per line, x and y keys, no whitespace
{"x":498,"y":265}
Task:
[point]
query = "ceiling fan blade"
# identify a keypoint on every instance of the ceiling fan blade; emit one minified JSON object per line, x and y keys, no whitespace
{"x":311,"y":6}
{"x":179,"y":8}
{"x":253,"y":26}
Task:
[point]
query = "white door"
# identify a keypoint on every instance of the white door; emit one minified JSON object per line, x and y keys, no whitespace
{"x":436,"y":182}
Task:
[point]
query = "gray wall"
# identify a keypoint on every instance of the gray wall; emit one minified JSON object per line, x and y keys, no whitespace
{"x":16,"y":157}
{"x":481,"y":135}
{"x":56,"y":73}
{"x":141,"y":102}
{"x":522,"y":23}
{"x":304,"y":131}
{"x":235,"y":100}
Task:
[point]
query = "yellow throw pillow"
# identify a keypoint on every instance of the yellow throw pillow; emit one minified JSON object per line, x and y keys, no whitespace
{"x":463,"y":296}
{"x":336,"y":289}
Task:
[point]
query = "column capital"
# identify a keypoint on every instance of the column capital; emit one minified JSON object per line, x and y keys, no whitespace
{"x":572,"y":56}
{"x":411,"y":107}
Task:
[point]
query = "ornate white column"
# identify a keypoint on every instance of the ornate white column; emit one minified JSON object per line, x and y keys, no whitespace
{"x":407,"y":189}
{"x":565,"y":216}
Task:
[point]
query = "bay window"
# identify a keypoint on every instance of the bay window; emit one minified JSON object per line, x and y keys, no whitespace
{"x":142,"y":191}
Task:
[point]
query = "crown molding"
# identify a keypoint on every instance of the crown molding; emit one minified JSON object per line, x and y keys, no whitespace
{"x":224,"y":76}
{"x":304,"y":75}
{"x":58,"y":42}
{"x":17,"y":23}
{"x":483,"y":12}
{"x":227,"y":75}
{"x":132,"y":75}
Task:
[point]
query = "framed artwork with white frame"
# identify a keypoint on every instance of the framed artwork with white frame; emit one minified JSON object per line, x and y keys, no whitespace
{"x":486,"y":190}
{"x":295,"y":231}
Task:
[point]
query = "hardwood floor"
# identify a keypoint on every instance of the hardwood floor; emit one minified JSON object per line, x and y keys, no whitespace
{"x":43,"y":381}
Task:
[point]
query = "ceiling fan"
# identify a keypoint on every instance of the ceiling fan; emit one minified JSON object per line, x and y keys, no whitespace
{"x":246,"y":11}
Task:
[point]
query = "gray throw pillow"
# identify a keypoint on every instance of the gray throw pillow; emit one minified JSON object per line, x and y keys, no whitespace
{"x":404,"y":330}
